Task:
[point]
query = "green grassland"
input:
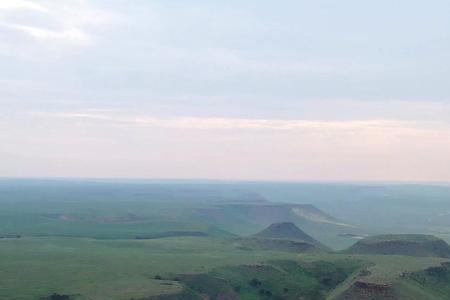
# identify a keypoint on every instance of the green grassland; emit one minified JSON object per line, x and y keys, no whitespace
{"x":33,"y":268}
{"x":121,"y":269}
{"x":135,"y":240}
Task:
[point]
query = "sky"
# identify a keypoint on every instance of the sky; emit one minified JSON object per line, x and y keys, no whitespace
{"x":331,"y":90}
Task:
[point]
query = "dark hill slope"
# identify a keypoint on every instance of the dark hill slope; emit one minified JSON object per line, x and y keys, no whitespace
{"x":285,"y":230}
{"x":283,"y":236}
{"x":277,"y":279}
{"x":282,"y":245}
{"x":402,"y":244}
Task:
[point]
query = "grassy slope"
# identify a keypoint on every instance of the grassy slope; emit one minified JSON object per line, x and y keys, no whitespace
{"x":285,"y":230}
{"x":434,"y":281}
{"x":410,"y":291}
{"x":279,"y":279}
{"x":382,"y":269}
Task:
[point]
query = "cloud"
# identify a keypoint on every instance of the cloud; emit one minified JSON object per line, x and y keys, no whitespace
{"x":72,"y":35}
{"x":21,"y":4}
{"x":54,"y":23}
{"x":108,"y":117}
{"x":114,"y":143}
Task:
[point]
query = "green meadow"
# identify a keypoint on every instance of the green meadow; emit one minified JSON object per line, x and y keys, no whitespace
{"x":31,"y":268}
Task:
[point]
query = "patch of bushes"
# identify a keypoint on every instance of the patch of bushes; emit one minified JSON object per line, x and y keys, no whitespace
{"x":58,"y":297}
{"x":254,"y":282}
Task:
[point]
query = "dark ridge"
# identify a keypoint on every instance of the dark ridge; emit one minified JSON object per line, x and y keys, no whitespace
{"x":10,"y":236}
{"x":171,"y":234}
{"x":276,"y":245}
{"x":285,"y":230}
{"x":402,"y":244}
{"x":284,"y":236}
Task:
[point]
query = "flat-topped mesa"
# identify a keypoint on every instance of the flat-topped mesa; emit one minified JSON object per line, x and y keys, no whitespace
{"x":402,"y":244}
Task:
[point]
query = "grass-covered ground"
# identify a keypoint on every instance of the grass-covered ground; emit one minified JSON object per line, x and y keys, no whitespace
{"x":32,"y":268}
{"x":122,"y":269}
{"x":107,"y":241}
{"x":276,"y":279}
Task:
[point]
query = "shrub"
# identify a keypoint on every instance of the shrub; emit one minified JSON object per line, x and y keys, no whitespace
{"x":254,"y":282}
{"x":59,"y":297}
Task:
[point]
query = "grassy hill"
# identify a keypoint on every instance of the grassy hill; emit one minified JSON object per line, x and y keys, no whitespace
{"x":403,"y":244}
{"x":284,"y":236}
{"x":247,"y":218}
{"x":277,"y":279}
{"x":285,"y":230}
{"x":432,"y":283}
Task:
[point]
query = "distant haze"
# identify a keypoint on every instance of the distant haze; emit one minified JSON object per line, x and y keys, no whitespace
{"x":283,"y":90}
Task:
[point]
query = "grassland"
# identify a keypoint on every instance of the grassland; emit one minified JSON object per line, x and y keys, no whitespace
{"x":121,"y":269}
{"x":32,"y":268}
{"x":99,"y":241}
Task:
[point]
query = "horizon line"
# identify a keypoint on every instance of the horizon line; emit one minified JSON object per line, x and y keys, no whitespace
{"x":223,"y":180}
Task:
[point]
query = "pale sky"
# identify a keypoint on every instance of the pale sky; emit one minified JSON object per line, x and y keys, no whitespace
{"x":258,"y":90}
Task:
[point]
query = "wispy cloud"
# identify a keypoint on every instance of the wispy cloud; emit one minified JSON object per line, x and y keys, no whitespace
{"x":210,"y":123}
{"x":71,"y":21}
{"x":72,"y":35}
{"x":21,"y":4}
{"x":115,"y":143}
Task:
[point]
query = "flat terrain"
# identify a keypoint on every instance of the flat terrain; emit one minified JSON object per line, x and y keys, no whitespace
{"x":35,"y":267}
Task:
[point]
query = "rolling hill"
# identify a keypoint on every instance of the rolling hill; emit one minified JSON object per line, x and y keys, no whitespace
{"x":402,"y":244}
{"x":284,"y":236}
{"x":285,"y":230}
{"x":247,"y":218}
